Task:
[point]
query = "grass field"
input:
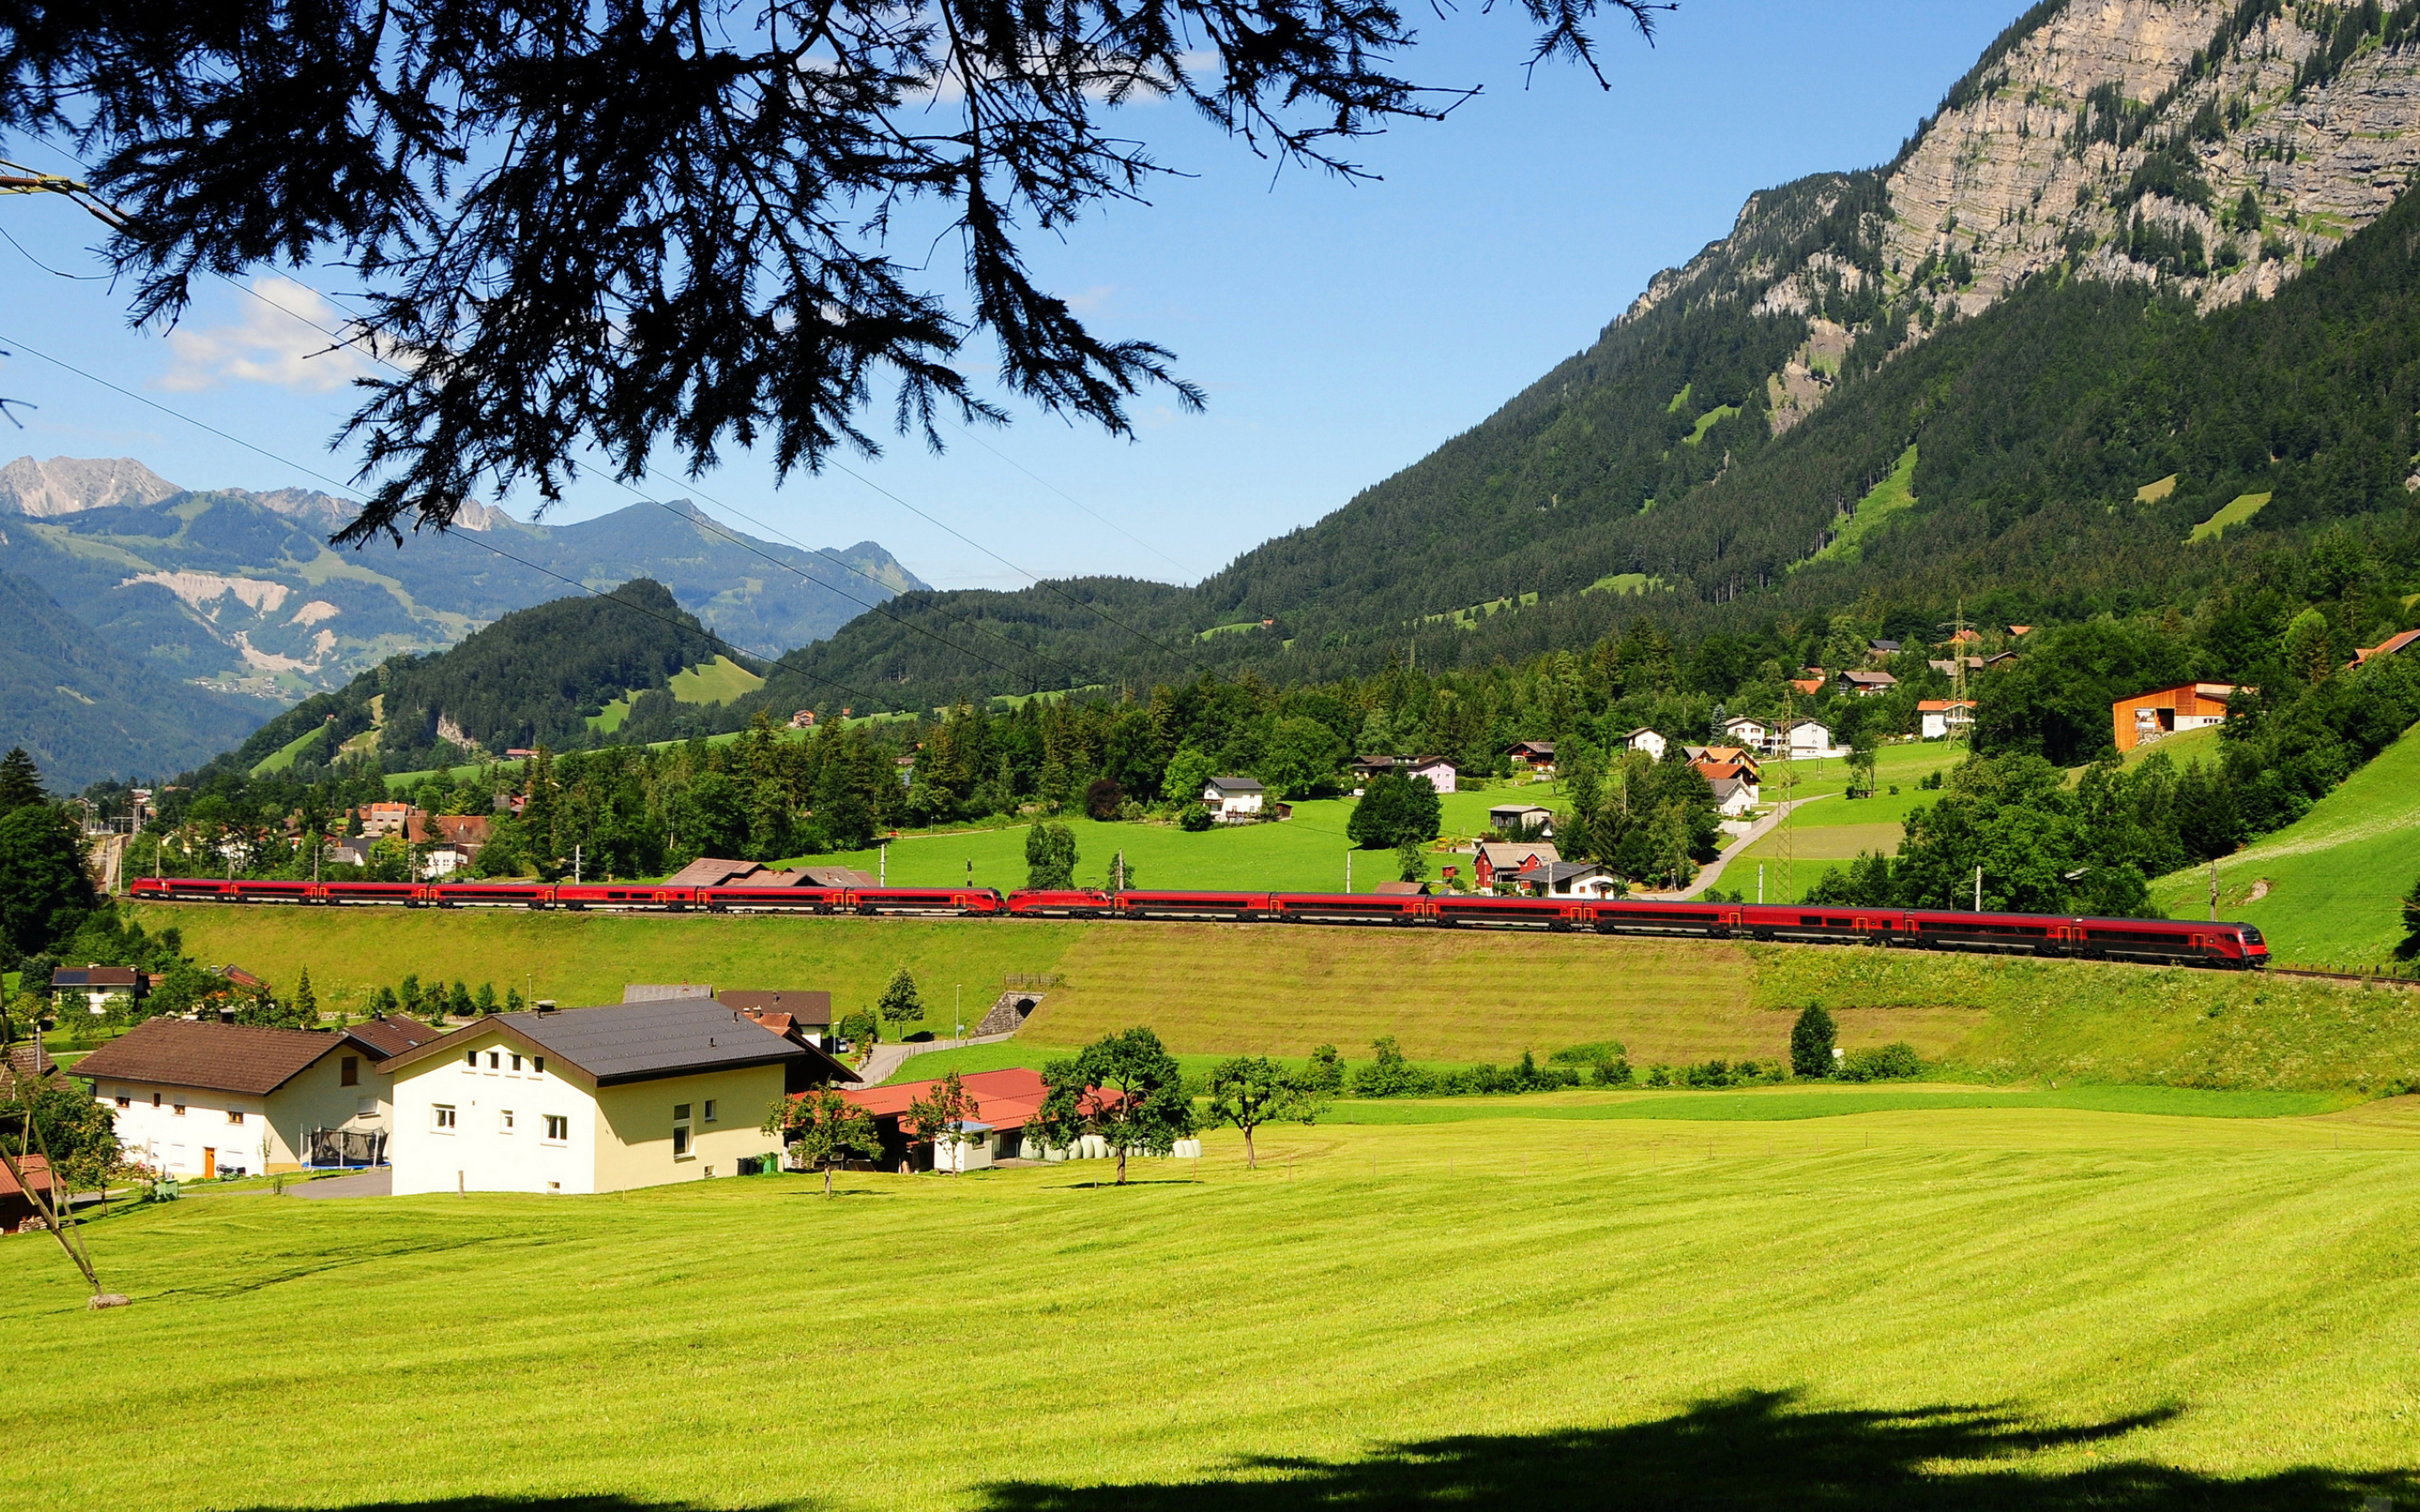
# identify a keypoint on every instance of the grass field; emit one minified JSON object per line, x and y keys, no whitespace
{"x":1838,"y":828}
{"x":2013,"y":1307}
{"x":1448,"y":995}
{"x":2330,"y":886}
{"x":2234,"y":512}
{"x":1895,"y":494}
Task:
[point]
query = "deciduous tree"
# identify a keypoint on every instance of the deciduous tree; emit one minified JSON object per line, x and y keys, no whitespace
{"x":1126,"y":1088}
{"x":901,"y":1003}
{"x":821,"y":1130}
{"x":1246,"y":1091}
{"x":1810,"y":1042}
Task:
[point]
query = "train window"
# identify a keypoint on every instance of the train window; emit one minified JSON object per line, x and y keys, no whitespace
{"x":1836,"y":923}
{"x":2251,"y":936}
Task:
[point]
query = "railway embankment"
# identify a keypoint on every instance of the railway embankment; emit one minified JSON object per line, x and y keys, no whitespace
{"x":1445,"y":995}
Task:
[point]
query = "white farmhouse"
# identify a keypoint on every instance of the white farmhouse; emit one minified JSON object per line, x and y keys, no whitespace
{"x":1755,"y":734}
{"x":1234,"y":800}
{"x":203,"y":1099}
{"x":1809,"y":740}
{"x":594,"y":1099}
{"x":1943,"y":718}
{"x":1646,"y":740}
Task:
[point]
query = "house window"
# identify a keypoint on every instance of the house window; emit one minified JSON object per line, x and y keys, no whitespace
{"x":349,"y":1072}
{"x":155,"y":1100}
{"x":365,"y":1107}
{"x":504,"y":1121}
{"x":680,"y":1113}
{"x":494,"y":1060}
{"x":517,"y":1063}
{"x":558,"y":1127}
{"x":554,"y":1186}
{"x":680,"y":1130}
{"x":537,"y":1064}
{"x":709,"y":1110}
{"x":234,"y":1115}
{"x":124,"y":1101}
{"x":178,"y":1109}
{"x":470,"y":1060}
{"x":441,"y":1118}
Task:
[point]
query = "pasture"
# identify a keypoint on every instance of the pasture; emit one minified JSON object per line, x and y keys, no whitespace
{"x":2327,"y":890}
{"x":2020,"y":1307}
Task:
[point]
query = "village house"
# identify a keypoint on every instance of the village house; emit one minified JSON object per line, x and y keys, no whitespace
{"x":2164,"y":711}
{"x":379,"y":820}
{"x":1402,"y":889}
{"x":1366,"y":768}
{"x":804,"y":720}
{"x":2394,"y":645}
{"x":1755,"y":734}
{"x":1501,"y":862}
{"x":1860,"y":683}
{"x":1511,"y":818}
{"x":1808,"y":740}
{"x":98,"y":985}
{"x":1811,"y":686}
{"x":1439,"y":772}
{"x":1569,"y":879}
{"x":1939,"y":718}
{"x":1877,"y":652}
{"x":594,"y":1099}
{"x":1647,"y":740}
{"x":203,"y":1099}
{"x":785,"y":1011}
{"x":1005,"y":1103}
{"x":1733,"y":755}
{"x":1234,"y":800}
{"x":1735,"y":790}
{"x":18,"y":1211}
{"x":1534,"y":756}
{"x":717,"y":871}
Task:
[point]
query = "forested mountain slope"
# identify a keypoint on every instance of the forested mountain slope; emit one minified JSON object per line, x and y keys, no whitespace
{"x":85,"y":712}
{"x":2131,"y":245}
{"x":536,"y":674}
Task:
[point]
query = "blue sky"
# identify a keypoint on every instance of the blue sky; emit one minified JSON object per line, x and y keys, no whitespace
{"x":1341,"y":330}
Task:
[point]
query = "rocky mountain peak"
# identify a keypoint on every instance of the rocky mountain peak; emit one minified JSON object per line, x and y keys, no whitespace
{"x":70,"y":484}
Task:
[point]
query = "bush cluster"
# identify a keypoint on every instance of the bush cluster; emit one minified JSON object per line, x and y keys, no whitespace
{"x":1390,"y":1075}
{"x":1712,"y":1074}
{"x":1895,"y":1062}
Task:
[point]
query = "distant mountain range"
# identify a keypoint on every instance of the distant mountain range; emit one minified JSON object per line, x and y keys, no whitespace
{"x":204,"y":613}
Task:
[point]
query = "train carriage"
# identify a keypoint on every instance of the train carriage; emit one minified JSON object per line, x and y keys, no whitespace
{"x":2144,"y":940}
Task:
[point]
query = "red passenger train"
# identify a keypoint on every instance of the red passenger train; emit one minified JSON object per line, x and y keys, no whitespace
{"x":2154,"y":940}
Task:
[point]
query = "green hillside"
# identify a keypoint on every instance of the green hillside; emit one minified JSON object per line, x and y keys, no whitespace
{"x":1448,"y":995}
{"x":2327,"y":889}
{"x":553,"y":674}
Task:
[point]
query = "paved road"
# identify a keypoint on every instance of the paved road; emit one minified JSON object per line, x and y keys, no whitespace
{"x":1756,"y":832}
{"x":887,"y":1058}
{"x":377,"y":1182}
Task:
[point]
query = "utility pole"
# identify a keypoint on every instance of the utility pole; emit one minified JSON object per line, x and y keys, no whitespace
{"x":1349,"y":871}
{"x":2213,"y":890}
{"x":1979,"y":889}
{"x":575,"y":865}
{"x":1759,"y":882}
{"x":959,"y":1009}
{"x":1789,"y":796}
{"x":882,"y":864}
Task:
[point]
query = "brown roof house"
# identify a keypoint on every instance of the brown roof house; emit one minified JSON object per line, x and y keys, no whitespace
{"x":199,"y":1098}
{"x":98,"y":985}
{"x":595,"y":1099}
{"x":1497,"y":861}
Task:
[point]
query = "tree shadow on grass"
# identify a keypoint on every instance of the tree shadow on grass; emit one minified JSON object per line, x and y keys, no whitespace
{"x":1756,"y":1450}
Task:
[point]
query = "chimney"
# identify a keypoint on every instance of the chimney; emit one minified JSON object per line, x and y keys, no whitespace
{"x":546,"y":1005}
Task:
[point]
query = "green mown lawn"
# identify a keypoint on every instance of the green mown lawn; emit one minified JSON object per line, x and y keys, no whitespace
{"x":2030,"y":1308}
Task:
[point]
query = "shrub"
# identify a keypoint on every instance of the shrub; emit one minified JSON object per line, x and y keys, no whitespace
{"x":1591,"y":1054}
{"x":1893,"y":1062}
{"x":858,"y":1025}
{"x":1659,"y":1075}
{"x":1104,"y":798}
{"x":1193,"y":818}
{"x":1326,"y":1073}
{"x":1613,"y":1072}
{"x":1389,"y":1075}
{"x":1810,"y":1042}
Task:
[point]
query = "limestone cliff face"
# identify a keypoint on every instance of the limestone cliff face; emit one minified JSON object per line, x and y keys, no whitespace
{"x":2214,"y":147}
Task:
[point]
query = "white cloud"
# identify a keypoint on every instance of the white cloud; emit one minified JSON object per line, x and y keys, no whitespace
{"x":282,"y":339}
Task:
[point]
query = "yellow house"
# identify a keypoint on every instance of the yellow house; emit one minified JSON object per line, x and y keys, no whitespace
{"x":594,"y":1099}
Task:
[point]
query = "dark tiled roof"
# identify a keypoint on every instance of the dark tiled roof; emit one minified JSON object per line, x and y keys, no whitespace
{"x":634,"y":1041}
{"x":393,"y":1034}
{"x":803,"y":1006}
{"x":1236,"y":784}
{"x":223,"y":1057}
{"x":97,"y":978}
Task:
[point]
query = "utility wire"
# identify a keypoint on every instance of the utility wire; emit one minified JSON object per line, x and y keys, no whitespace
{"x":472,"y":537}
{"x":1075,"y":677}
{"x":82,"y":194}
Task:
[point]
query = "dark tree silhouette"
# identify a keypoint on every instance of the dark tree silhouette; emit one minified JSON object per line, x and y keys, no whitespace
{"x":615,"y":226}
